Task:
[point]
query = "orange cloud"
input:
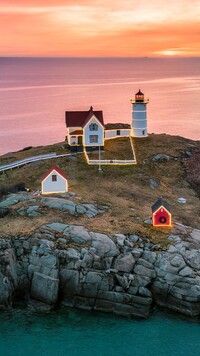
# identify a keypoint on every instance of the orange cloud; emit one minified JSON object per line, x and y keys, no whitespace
{"x":99,"y":28}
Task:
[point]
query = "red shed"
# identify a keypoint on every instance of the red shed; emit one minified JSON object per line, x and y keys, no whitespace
{"x":161,"y":215}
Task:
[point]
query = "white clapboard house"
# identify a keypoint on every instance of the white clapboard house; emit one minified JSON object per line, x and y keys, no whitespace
{"x":54,"y":181}
{"x":85,"y":128}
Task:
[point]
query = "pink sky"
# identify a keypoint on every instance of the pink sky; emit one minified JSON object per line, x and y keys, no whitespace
{"x":121,"y":28}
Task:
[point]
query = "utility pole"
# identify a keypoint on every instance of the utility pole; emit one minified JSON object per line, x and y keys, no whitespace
{"x":100,"y":160}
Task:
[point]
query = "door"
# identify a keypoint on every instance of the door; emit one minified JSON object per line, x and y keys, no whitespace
{"x":80,"y":140}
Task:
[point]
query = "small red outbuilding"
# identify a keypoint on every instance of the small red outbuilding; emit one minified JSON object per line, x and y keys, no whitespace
{"x":161,"y":216}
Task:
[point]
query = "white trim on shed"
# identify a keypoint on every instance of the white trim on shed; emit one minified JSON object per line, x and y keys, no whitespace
{"x":51,"y":186}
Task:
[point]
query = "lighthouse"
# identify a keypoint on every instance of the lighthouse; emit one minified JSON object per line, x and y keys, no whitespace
{"x":139,"y":115}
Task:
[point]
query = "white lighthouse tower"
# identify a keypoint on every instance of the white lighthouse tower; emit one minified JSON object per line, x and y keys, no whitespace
{"x":139,"y":115}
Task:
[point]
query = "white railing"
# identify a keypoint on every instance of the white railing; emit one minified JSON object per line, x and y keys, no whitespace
{"x":111,"y":161}
{"x":133,"y":149}
{"x":24,"y":161}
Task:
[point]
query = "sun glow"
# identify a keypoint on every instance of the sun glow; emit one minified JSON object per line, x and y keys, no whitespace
{"x":176,"y":52}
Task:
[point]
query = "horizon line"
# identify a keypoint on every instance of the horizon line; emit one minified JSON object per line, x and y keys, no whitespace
{"x":97,"y":57}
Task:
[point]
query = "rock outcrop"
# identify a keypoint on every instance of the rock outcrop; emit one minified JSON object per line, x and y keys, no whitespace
{"x":88,"y":270}
{"x":33,"y":207}
{"x":8,"y":274}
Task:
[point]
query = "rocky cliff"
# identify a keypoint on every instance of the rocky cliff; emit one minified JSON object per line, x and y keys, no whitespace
{"x":122,"y":274}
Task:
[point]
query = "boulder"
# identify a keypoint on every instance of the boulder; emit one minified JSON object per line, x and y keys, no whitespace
{"x":69,"y":282}
{"x":160,"y":157}
{"x":6,"y":291}
{"x":11,"y":199}
{"x":186,"y":272}
{"x":78,"y":234}
{"x":105,"y":247}
{"x":91,"y":210}
{"x":119,"y":239}
{"x":123,"y":281}
{"x":141,"y":281}
{"x":153,"y":183}
{"x":44,"y":288}
{"x":59,"y":204}
{"x":34,"y":214}
{"x":150,"y":256}
{"x":32,"y":208}
{"x":144,"y":292}
{"x":143,"y":271}
{"x":137,"y":252}
{"x":3,"y":212}
{"x":124,"y":263}
{"x":72,"y":254}
{"x":87,"y":260}
{"x":91,"y":284}
{"x":133,"y":290}
{"x":177,"y":261}
{"x":148,"y":221}
{"x":49,"y":261}
{"x":195,"y":235}
{"x":80,"y":209}
{"x":134,"y":238}
{"x":55,"y":227}
{"x":145,"y":263}
{"x":192,"y":258}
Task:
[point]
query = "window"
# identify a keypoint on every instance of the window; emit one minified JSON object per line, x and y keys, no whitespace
{"x":93,"y":138}
{"x":54,"y":178}
{"x":73,"y":140}
{"x":118,"y":132}
{"x":93,"y":127}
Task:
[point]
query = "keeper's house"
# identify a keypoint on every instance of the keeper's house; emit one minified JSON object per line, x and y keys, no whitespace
{"x":54,"y":181}
{"x":86,"y":128}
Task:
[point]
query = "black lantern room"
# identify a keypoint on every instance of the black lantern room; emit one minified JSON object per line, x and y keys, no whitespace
{"x":139,"y":97}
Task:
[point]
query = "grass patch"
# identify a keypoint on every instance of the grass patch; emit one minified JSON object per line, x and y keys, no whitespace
{"x":118,"y":148}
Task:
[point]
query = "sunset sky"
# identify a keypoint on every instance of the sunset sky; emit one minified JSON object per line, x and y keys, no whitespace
{"x":84,"y":28}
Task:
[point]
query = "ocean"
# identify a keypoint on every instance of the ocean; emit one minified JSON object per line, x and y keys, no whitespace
{"x":78,"y":333}
{"x":36,"y":92}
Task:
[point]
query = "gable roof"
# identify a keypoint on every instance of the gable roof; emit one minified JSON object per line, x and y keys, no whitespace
{"x":54,"y":168}
{"x":80,"y":118}
{"x":158,"y":204}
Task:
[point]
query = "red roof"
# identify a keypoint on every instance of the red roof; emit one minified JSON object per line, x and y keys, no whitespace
{"x":76,"y":132}
{"x":54,"y":168}
{"x":80,"y":118}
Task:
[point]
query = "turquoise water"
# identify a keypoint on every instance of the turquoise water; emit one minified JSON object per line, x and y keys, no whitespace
{"x":78,"y":333}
